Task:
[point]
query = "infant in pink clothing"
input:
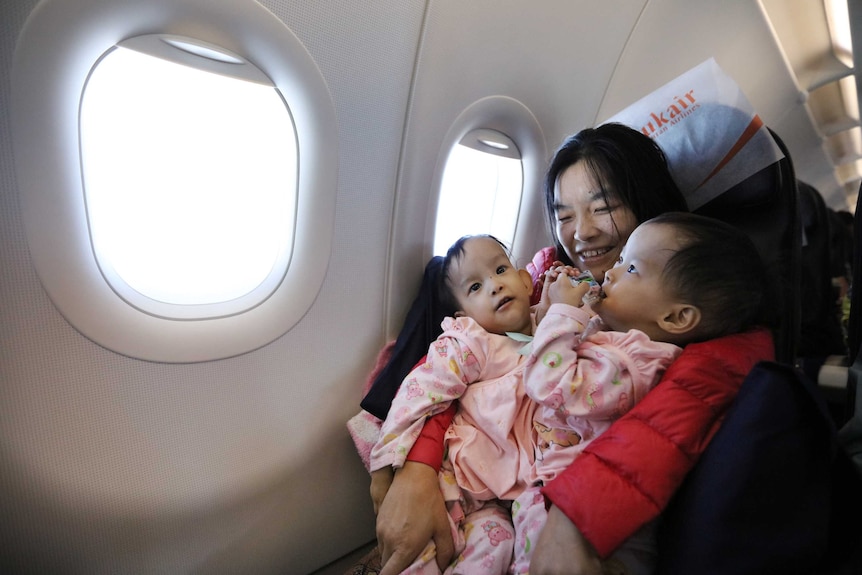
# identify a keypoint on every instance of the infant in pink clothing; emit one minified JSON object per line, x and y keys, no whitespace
{"x":490,"y":442}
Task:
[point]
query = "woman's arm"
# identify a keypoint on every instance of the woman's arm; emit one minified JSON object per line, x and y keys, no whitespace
{"x":657,"y":442}
{"x":428,"y":448}
{"x":413,"y":511}
{"x":544,"y":260}
{"x":562,"y":550}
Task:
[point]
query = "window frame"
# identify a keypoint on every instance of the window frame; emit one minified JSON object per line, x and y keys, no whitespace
{"x":231,"y":68}
{"x":487,"y":143}
{"x":70,"y":39}
{"x":514,"y":120}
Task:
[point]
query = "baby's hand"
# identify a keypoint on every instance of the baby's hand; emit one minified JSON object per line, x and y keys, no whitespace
{"x":563,"y":291}
{"x":558,"y":269}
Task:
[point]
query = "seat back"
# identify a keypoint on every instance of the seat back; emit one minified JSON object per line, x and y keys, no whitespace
{"x":774,"y":492}
{"x":854,"y":327}
{"x":766,"y":207}
{"x":821,"y":333}
{"x":854,"y":323}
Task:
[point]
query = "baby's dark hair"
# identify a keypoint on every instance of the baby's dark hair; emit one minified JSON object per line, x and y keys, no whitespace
{"x":445,"y":293}
{"x":718,"y":269}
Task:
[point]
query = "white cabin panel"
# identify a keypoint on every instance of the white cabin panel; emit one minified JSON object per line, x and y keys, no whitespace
{"x":555,"y":63}
{"x":110,"y":464}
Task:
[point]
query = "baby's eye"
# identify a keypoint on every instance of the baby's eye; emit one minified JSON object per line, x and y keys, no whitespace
{"x":620,"y":260}
{"x":501,"y":269}
{"x":631,"y":269}
{"x":474,"y":287}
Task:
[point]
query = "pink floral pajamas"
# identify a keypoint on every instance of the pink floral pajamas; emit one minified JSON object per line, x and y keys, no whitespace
{"x":583,"y":379}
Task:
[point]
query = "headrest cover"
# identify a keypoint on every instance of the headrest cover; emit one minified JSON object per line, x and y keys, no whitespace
{"x":709,"y":131}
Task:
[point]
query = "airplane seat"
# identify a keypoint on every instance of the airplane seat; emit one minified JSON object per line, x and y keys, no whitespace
{"x":822,"y":353}
{"x":766,"y":207}
{"x":851,"y":433}
{"x":774,"y":492}
{"x":854,"y":324}
{"x":821,"y":328}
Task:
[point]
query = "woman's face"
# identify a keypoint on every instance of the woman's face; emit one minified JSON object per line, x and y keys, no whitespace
{"x":591,"y":228}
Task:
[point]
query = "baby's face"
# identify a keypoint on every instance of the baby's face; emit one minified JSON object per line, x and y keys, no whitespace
{"x":634,"y":292}
{"x":490,"y":289}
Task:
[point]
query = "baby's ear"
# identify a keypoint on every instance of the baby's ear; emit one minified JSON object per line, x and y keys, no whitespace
{"x":680,"y":319}
{"x":527,"y":279}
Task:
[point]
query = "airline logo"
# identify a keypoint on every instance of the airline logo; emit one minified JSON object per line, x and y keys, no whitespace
{"x":681,"y":108}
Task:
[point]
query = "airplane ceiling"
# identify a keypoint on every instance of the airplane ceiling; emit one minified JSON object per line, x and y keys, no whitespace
{"x":826,"y":77}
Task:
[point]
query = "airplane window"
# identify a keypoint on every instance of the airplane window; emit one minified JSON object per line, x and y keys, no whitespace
{"x":190,"y":181}
{"x":177,"y":188}
{"x":481,"y":189}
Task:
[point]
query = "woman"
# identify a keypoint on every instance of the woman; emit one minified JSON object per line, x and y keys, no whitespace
{"x":600,"y":185}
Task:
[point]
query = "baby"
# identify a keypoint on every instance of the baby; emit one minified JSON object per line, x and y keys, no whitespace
{"x":678,"y":281}
{"x":477,"y":365}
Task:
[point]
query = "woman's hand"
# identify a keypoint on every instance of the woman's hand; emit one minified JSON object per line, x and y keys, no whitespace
{"x":562,"y":550}
{"x":412,"y":514}
{"x":380,"y":482}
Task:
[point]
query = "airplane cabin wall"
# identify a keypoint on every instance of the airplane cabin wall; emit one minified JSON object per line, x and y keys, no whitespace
{"x":110,"y":464}
{"x":556,"y":62}
{"x":113,"y":464}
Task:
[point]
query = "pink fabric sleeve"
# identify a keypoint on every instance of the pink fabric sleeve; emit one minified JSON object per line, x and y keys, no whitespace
{"x":584,"y":382}
{"x":430,"y":388}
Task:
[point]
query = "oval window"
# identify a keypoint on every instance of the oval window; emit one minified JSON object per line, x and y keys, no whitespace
{"x":188,"y":211}
{"x":480,"y":190}
{"x":190,"y":182}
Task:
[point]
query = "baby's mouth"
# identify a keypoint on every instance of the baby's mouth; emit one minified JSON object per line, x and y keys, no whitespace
{"x":503,"y":302}
{"x":595,"y":296}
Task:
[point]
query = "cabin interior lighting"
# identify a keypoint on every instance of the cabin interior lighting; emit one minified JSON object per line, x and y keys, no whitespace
{"x":847,"y":85}
{"x":849,"y":172}
{"x":838,"y":20}
{"x":855,"y":136}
